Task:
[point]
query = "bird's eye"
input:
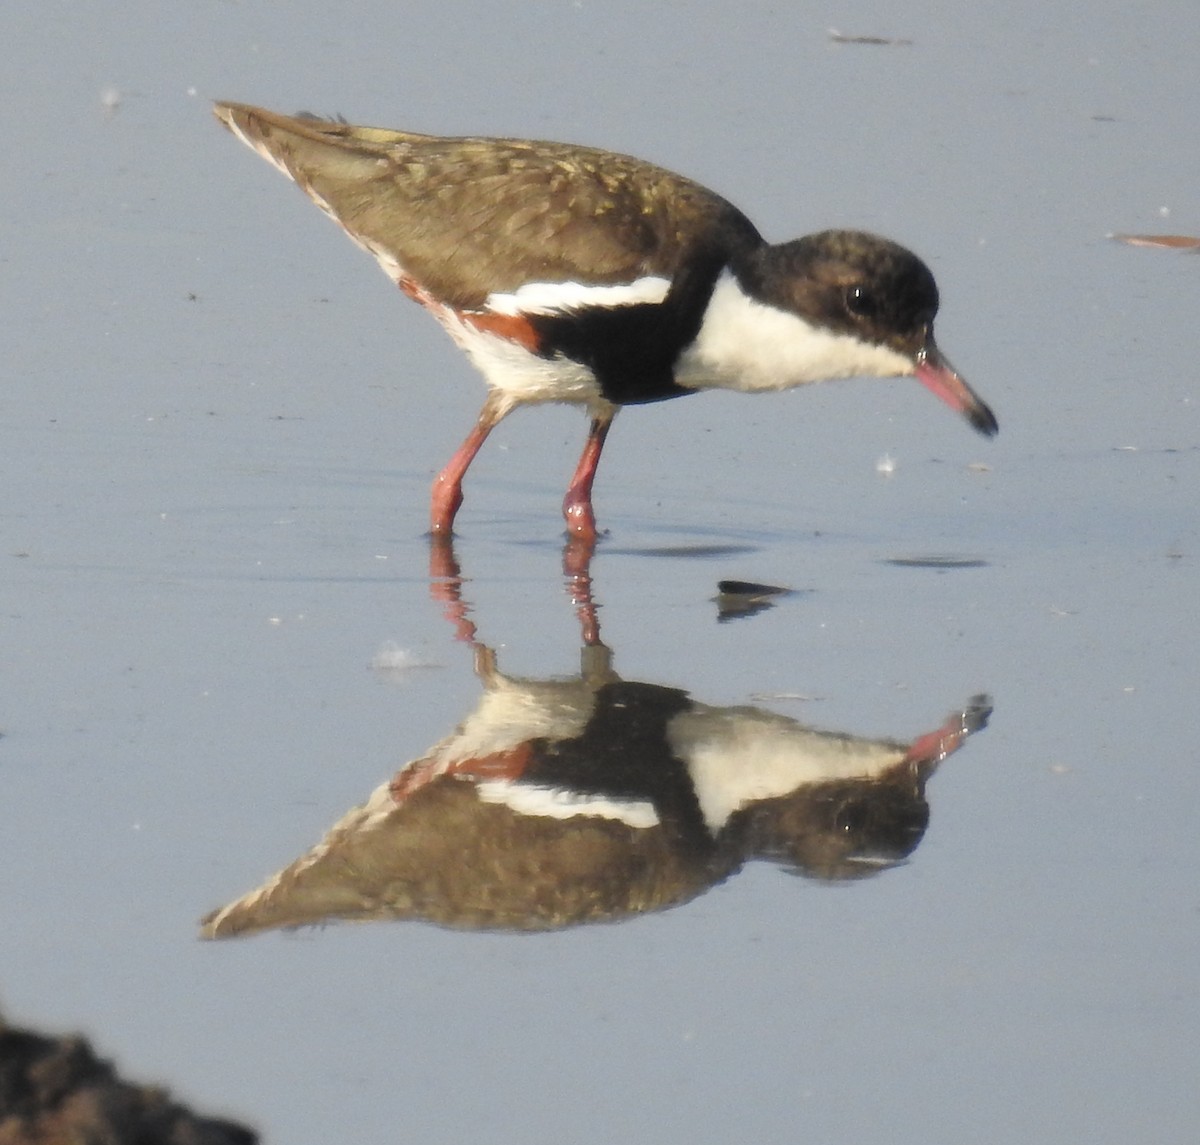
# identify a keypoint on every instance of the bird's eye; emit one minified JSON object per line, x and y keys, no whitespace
{"x":851,"y":817}
{"x":861,"y":302}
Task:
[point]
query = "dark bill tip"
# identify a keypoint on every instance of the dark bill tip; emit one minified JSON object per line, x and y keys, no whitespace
{"x":982,"y":419}
{"x":940,"y":378}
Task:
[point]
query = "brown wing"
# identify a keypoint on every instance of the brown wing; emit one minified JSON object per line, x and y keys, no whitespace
{"x":466,"y":217}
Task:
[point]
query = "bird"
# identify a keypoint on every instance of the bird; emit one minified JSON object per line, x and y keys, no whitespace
{"x":563,"y":801}
{"x":578,"y":275}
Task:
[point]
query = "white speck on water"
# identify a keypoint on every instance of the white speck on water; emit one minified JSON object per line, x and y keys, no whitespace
{"x":886,"y":465}
{"x":394,"y":660}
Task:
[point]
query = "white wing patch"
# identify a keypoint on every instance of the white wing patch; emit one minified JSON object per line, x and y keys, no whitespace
{"x":561,"y":297}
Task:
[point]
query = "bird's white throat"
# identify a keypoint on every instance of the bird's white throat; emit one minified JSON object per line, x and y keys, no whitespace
{"x":746,"y":345}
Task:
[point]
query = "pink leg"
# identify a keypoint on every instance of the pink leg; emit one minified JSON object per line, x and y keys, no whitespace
{"x":447,"y":485}
{"x":577,"y":505}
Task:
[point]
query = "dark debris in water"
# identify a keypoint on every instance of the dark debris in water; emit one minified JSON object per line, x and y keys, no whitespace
{"x":1163,"y":242}
{"x":937,"y":562}
{"x":700,"y":552}
{"x":740,"y":598}
{"x":875,"y":41}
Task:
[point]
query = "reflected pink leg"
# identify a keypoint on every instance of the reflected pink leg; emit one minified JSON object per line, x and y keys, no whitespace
{"x":445,"y":586}
{"x":577,"y":559}
{"x":577,"y":505}
{"x":447,"y":485}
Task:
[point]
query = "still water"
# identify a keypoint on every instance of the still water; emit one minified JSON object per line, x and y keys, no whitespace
{"x":903,"y":853}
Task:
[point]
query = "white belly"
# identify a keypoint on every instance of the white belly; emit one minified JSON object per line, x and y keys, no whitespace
{"x":520,"y":375}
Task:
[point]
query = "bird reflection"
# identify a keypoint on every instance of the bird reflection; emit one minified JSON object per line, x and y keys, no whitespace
{"x":557,"y":802}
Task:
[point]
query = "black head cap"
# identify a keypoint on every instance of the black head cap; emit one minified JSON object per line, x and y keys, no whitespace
{"x":853,"y":283}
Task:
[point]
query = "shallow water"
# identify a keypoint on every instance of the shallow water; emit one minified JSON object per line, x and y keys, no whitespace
{"x":218,"y":428}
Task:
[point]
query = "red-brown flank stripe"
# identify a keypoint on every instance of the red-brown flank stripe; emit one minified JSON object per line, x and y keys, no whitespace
{"x":512,"y":327}
{"x":508,"y":765}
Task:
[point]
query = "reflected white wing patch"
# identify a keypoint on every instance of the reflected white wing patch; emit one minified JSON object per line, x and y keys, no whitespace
{"x":555,"y":803}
